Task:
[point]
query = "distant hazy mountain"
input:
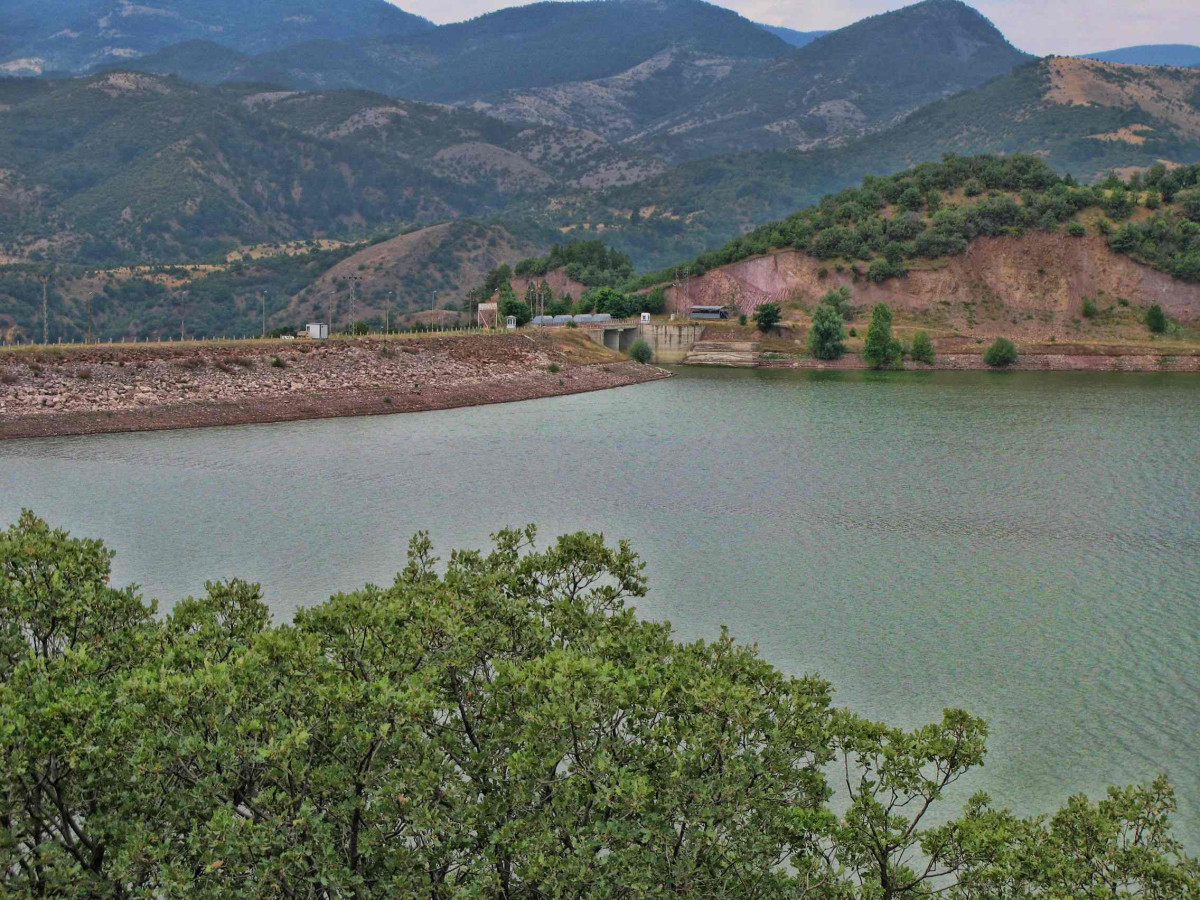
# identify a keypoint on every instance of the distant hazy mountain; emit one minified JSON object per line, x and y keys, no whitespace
{"x":846,"y":83}
{"x":49,"y":35}
{"x":793,"y":37}
{"x":515,"y":49}
{"x":1152,"y":55}
{"x":554,"y":43}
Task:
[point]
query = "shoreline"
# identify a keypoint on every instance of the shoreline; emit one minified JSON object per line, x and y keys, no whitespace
{"x":160,"y":389}
{"x":1042,"y":362}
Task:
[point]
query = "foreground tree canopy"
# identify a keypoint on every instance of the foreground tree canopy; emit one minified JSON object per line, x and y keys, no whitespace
{"x":502,"y":725}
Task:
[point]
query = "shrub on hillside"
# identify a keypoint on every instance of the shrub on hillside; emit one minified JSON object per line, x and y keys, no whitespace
{"x":1001,"y":353}
{"x":922,"y":348}
{"x":1156,"y":319}
{"x":1089,"y":308}
{"x":1075,"y":228}
{"x":839,"y":299}
{"x":767,"y":316}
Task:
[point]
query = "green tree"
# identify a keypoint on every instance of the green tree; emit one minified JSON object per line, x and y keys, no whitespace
{"x":1000,"y":353}
{"x":519,"y":309}
{"x":767,"y":316}
{"x":881,"y":349}
{"x":498,"y":724}
{"x":826,"y":336}
{"x":922,"y":348}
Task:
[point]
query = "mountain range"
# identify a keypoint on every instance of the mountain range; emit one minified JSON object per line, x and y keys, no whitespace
{"x":1187,"y":55}
{"x":664,"y":126}
{"x":73,"y":35}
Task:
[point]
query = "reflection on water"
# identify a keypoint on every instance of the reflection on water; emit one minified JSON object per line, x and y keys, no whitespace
{"x":1024,"y":545}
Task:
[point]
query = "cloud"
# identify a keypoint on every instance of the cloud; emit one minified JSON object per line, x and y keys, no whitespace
{"x":1037,"y":26}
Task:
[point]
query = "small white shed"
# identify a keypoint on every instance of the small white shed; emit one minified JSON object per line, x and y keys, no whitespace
{"x":317,"y":330}
{"x":645,"y":318}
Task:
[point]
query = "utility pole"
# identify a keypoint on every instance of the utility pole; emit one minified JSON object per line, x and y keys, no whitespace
{"x":387,"y":313}
{"x":329,"y":294}
{"x":45,"y":309}
{"x":354,"y":280}
{"x":262,"y":295}
{"x":433,"y":308}
{"x":88,"y":339}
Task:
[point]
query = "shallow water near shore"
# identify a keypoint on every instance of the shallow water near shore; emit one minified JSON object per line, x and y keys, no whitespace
{"x":1024,"y":545}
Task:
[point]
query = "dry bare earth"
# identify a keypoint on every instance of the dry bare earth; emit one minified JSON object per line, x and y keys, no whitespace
{"x":465,"y":252}
{"x":135,"y":388}
{"x":1161,"y":91}
{"x":1030,"y":287}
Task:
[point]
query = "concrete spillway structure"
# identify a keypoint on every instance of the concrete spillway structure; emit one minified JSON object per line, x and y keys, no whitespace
{"x":670,"y":342}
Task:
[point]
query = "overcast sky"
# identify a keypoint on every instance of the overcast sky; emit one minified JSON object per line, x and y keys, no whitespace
{"x":1038,"y":26}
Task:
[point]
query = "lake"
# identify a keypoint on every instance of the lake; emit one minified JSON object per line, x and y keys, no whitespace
{"x":1024,"y":545}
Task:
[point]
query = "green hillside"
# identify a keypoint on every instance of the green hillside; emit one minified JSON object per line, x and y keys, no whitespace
{"x":704,"y":203}
{"x":846,"y":82}
{"x":74,"y":35}
{"x":129,"y":166}
{"x":521,"y":47}
{"x":935,"y":210}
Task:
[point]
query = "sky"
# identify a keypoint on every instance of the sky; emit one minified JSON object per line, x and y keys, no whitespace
{"x":1041,"y":27}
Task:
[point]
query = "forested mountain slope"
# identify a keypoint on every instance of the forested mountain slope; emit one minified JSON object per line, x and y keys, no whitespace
{"x":515,"y":49}
{"x":72,"y":35}
{"x":133,"y":166}
{"x":845,"y":83}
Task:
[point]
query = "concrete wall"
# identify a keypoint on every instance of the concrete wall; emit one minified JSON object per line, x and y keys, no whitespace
{"x":670,"y":343}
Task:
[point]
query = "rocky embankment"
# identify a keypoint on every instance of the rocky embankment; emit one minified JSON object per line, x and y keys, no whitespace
{"x":90,"y":390}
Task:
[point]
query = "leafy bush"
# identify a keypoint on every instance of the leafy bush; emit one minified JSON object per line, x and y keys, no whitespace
{"x":827,"y":333}
{"x":1075,"y":228}
{"x":1001,"y":353}
{"x":922,"y":348}
{"x":1156,"y":319}
{"x":767,"y":316}
{"x":742,"y":319}
{"x":640,"y":351}
{"x":1089,"y":308}
{"x":839,"y":299}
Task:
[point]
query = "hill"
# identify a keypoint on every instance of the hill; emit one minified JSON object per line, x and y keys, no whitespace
{"x":1081,"y":116}
{"x":846,"y":83}
{"x":73,"y":35}
{"x":129,"y":166}
{"x":1151,"y":55}
{"x":292,"y":283}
